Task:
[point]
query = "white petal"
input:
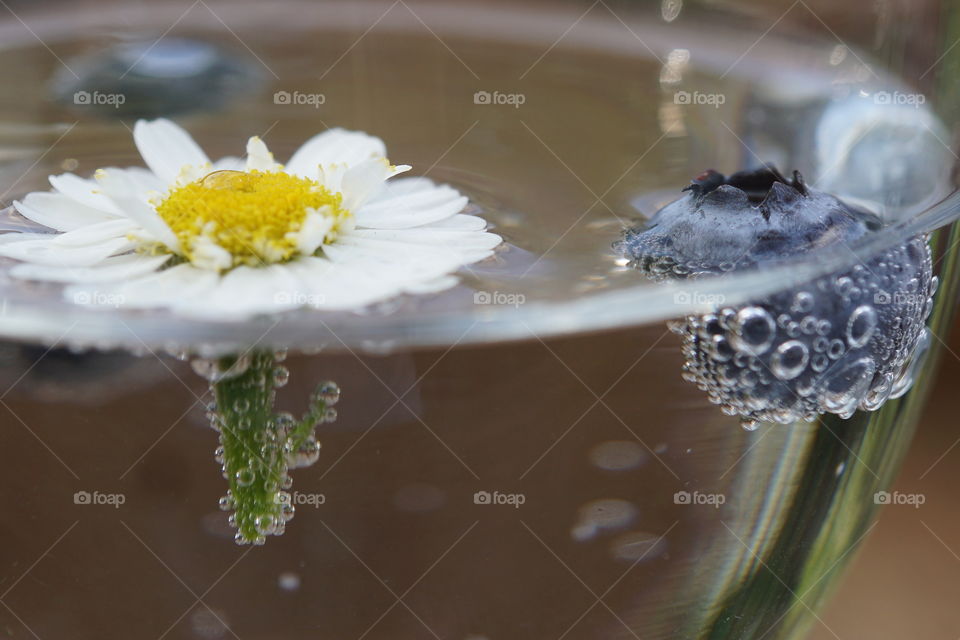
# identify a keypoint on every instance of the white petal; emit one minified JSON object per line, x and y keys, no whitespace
{"x":207,"y":254}
{"x":259,"y":157}
{"x":356,"y":279}
{"x":432,"y":286}
{"x":84,"y":236}
{"x":119,"y":268}
{"x":167,"y":148}
{"x":82,"y":247}
{"x":449,"y":239}
{"x":59,"y":211}
{"x":401,"y":206}
{"x":122,"y":188}
{"x":144,"y":180}
{"x":364,"y":181}
{"x":410,"y":184}
{"x":413,"y":190}
{"x":313,"y":231}
{"x":84,"y":191}
{"x":93,"y":234}
{"x":229,"y":163}
{"x":414,"y":259}
{"x":334,"y":146}
{"x":331,"y":176}
{"x":48,"y":253}
{"x":18,"y":236}
{"x":159,"y":289}
{"x":191,"y":173}
{"x":333,"y":287}
{"x":245,"y":291}
{"x":459,"y":222}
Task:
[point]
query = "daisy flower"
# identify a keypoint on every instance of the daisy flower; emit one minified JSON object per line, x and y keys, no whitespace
{"x":234,"y":238}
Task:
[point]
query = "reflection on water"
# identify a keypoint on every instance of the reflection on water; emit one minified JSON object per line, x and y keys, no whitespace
{"x":153,"y":78}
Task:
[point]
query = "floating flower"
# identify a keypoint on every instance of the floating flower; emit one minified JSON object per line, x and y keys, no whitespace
{"x":233,"y":238}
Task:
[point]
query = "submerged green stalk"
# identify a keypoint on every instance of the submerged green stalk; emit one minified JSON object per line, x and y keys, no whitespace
{"x":258,"y":446}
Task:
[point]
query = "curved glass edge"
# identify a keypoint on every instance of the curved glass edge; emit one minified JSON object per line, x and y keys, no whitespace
{"x":81,"y":328}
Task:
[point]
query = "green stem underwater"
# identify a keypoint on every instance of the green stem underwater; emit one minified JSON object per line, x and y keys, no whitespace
{"x":259,"y":446}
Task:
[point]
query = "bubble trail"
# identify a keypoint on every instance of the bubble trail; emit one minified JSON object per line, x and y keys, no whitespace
{"x":259,"y":446}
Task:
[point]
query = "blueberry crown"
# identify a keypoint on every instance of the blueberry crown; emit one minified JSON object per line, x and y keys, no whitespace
{"x":757,"y":183}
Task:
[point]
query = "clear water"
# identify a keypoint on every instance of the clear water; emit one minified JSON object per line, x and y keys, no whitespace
{"x":584,"y":441}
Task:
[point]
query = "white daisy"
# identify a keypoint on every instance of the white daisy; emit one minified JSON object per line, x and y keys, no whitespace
{"x":233,"y":238}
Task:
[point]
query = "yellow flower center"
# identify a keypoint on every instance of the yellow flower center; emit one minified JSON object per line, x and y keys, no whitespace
{"x":256,"y":217}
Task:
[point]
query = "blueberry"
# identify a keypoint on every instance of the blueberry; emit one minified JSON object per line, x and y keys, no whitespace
{"x":841,"y":342}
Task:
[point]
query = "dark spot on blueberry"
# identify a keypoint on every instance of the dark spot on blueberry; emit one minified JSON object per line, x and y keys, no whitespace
{"x":770,"y":240}
{"x":705,"y":183}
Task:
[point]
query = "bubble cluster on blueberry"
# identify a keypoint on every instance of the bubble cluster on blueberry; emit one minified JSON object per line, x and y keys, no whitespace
{"x":841,"y":342}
